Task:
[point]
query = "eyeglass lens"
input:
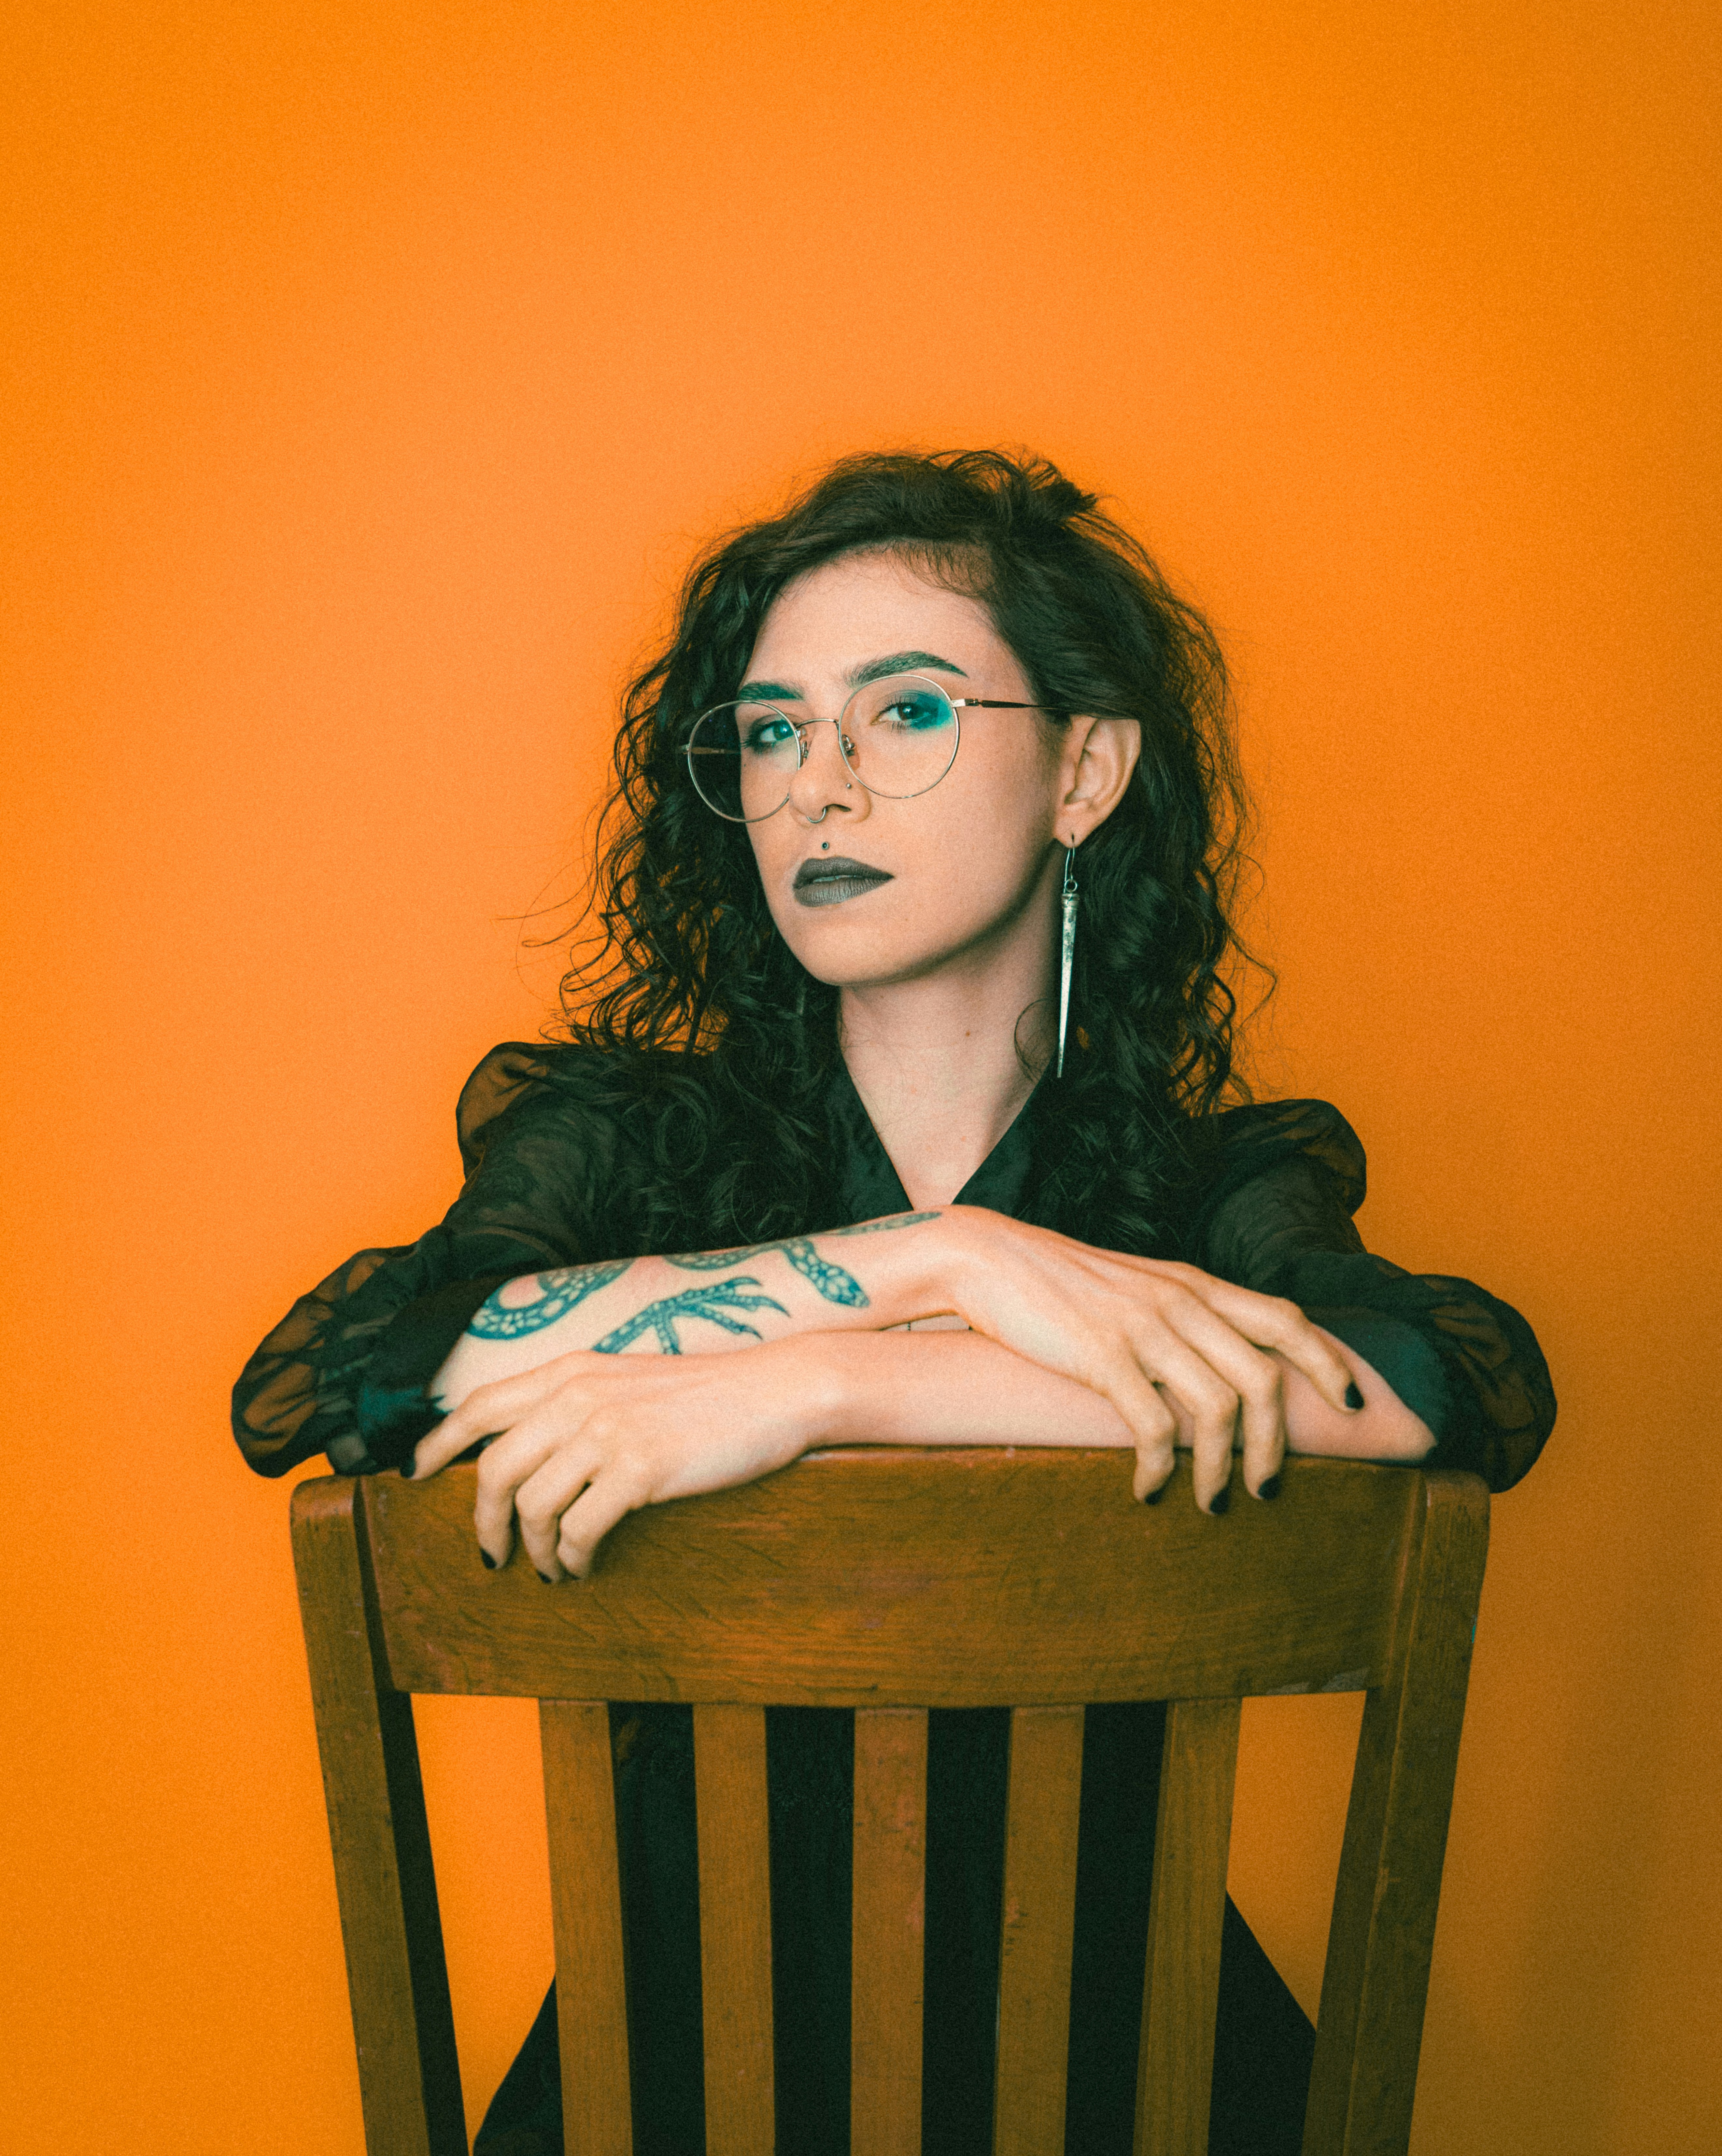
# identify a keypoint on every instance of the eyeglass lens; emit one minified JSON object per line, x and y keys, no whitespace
{"x":898,"y":735}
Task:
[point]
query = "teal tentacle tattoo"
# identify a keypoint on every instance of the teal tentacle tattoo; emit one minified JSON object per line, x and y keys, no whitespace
{"x":710,"y":1303}
{"x":714,"y":1261}
{"x":830,"y":1280}
{"x":879,"y":1227}
{"x":833,"y":1283}
{"x":559,"y":1292}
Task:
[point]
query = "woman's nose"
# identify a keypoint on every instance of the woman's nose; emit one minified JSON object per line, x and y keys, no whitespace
{"x":824,"y":781}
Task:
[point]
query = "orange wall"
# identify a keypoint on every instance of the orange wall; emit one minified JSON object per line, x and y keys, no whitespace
{"x":374,"y":370}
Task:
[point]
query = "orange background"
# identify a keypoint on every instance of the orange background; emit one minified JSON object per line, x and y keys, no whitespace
{"x":375,"y":371}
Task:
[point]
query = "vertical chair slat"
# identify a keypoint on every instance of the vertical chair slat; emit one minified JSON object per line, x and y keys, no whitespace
{"x":586,"y":1908}
{"x":1040,"y":1819}
{"x":1186,"y":1914}
{"x":1382,"y":1934}
{"x":409,"y":2079}
{"x":888,"y":1965}
{"x":735,"y":1928}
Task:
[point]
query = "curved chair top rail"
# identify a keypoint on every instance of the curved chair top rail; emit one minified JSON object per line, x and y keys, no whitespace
{"x":886,"y":1577}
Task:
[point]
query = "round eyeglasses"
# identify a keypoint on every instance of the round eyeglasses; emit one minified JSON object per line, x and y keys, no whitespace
{"x":897,"y":737}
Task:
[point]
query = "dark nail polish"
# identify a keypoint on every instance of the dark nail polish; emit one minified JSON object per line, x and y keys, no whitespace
{"x":1270,"y":1488}
{"x":1354,"y":1399}
{"x":406,"y":1472}
{"x":486,"y":1560}
{"x":1222,"y":1499}
{"x":546,"y":1579}
{"x":1154,"y":1497}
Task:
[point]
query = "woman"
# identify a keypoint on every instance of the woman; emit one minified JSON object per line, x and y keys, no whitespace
{"x":910,"y":1014}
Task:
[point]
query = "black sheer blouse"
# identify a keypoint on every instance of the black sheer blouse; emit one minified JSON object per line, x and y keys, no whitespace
{"x":554,"y":1152}
{"x":552,"y":1157}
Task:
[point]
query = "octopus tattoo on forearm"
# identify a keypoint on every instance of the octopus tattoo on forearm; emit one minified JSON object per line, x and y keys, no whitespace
{"x":562,"y":1290}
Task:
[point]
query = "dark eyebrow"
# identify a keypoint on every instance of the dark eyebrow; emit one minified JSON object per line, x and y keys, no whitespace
{"x":767,"y":692}
{"x":872,"y":669}
{"x":901,"y":662}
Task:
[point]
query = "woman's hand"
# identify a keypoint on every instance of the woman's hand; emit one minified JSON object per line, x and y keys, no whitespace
{"x":580,"y":1441}
{"x":1167,"y":1345}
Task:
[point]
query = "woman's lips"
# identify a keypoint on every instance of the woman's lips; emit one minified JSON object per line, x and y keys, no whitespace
{"x":830,"y":880}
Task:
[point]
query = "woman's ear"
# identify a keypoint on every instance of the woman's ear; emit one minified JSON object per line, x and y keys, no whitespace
{"x":1099,"y":756}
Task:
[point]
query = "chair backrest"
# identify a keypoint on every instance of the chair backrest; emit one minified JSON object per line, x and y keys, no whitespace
{"x":889,"y":1582}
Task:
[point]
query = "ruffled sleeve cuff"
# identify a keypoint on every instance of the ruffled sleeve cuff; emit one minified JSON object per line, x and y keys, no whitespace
{"x":392,"y":1408}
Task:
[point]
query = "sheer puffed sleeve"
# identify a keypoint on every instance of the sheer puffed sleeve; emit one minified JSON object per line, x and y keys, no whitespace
{"x":345,"y":1372}
{"x":1286,"y":1177}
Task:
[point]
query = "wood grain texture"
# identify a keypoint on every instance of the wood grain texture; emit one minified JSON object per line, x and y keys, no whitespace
{"x":1042,"y":1810}
{"x":1186,"y":1911}
{"x":890,"y":1927}
{"x":409,"y":2079}
{"x":586,"y":1913}
{"x":1376,"y":1979}
{"x":839,"y":1582}
{"x":735,"y":1928}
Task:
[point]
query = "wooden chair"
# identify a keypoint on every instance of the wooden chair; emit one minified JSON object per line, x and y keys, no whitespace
{"x":890,"y":1581}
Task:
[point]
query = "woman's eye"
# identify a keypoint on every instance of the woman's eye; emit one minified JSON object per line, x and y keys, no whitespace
{"x":918,"y":712}
{"x":766,"y":734}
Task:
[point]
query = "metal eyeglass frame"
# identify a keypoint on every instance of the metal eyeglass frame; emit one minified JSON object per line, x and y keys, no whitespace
{"x":959,"y":705}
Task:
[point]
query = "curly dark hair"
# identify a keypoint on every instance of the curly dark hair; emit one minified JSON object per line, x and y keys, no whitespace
{"x":687,"y":974}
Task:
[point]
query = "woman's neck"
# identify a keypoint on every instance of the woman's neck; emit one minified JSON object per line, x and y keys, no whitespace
{"x":943,"y":1065}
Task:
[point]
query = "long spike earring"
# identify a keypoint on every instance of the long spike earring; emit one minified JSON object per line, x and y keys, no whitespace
{"x":1068,"y":947}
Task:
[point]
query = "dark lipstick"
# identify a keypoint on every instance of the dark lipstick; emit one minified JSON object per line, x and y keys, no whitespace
{"x":830,"y":880}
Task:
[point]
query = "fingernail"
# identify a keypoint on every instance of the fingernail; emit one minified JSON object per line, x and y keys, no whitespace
{"x":406,"y":1472}
{"x":1354,"y":1399}
{"x":1270,"y":1488}
{"x":1222,"y":1499}
{"x":546,"y":1579}
{"x":486,"y":1560}
{"x":1155,"y":1496}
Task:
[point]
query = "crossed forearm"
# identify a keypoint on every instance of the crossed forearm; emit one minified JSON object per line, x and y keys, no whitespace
{"x":863,"y":1277}
{"x":963,"y":1388}
{"x":835,"y":1298}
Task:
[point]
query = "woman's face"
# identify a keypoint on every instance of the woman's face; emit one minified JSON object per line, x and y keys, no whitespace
{"x":868,"y":890}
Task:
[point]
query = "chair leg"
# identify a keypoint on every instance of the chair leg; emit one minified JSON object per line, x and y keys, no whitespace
{"x":1376,"y":1980}
{"x":410,"y":2077}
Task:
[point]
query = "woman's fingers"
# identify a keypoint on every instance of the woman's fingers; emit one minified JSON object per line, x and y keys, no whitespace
{"x":437,"y":1450}
{"x":1132,"y":1392}
{"x":489,"y":1408}
{"x":503,"y":1469}
{"x":1253,"y":1409}
{"x":636,"y":1429}
{"x":607,"y":1498}
{"x":501,"y":1405}
{"x":1208,"y":1401}
{"x":546,"y":1494}
{"x":1219,"y":1353}
{"x":1269,"y":1321}
{"x":1156,"y":1449}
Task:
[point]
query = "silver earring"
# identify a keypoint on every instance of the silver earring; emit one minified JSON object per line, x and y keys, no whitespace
{"x":1068,"y":949}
